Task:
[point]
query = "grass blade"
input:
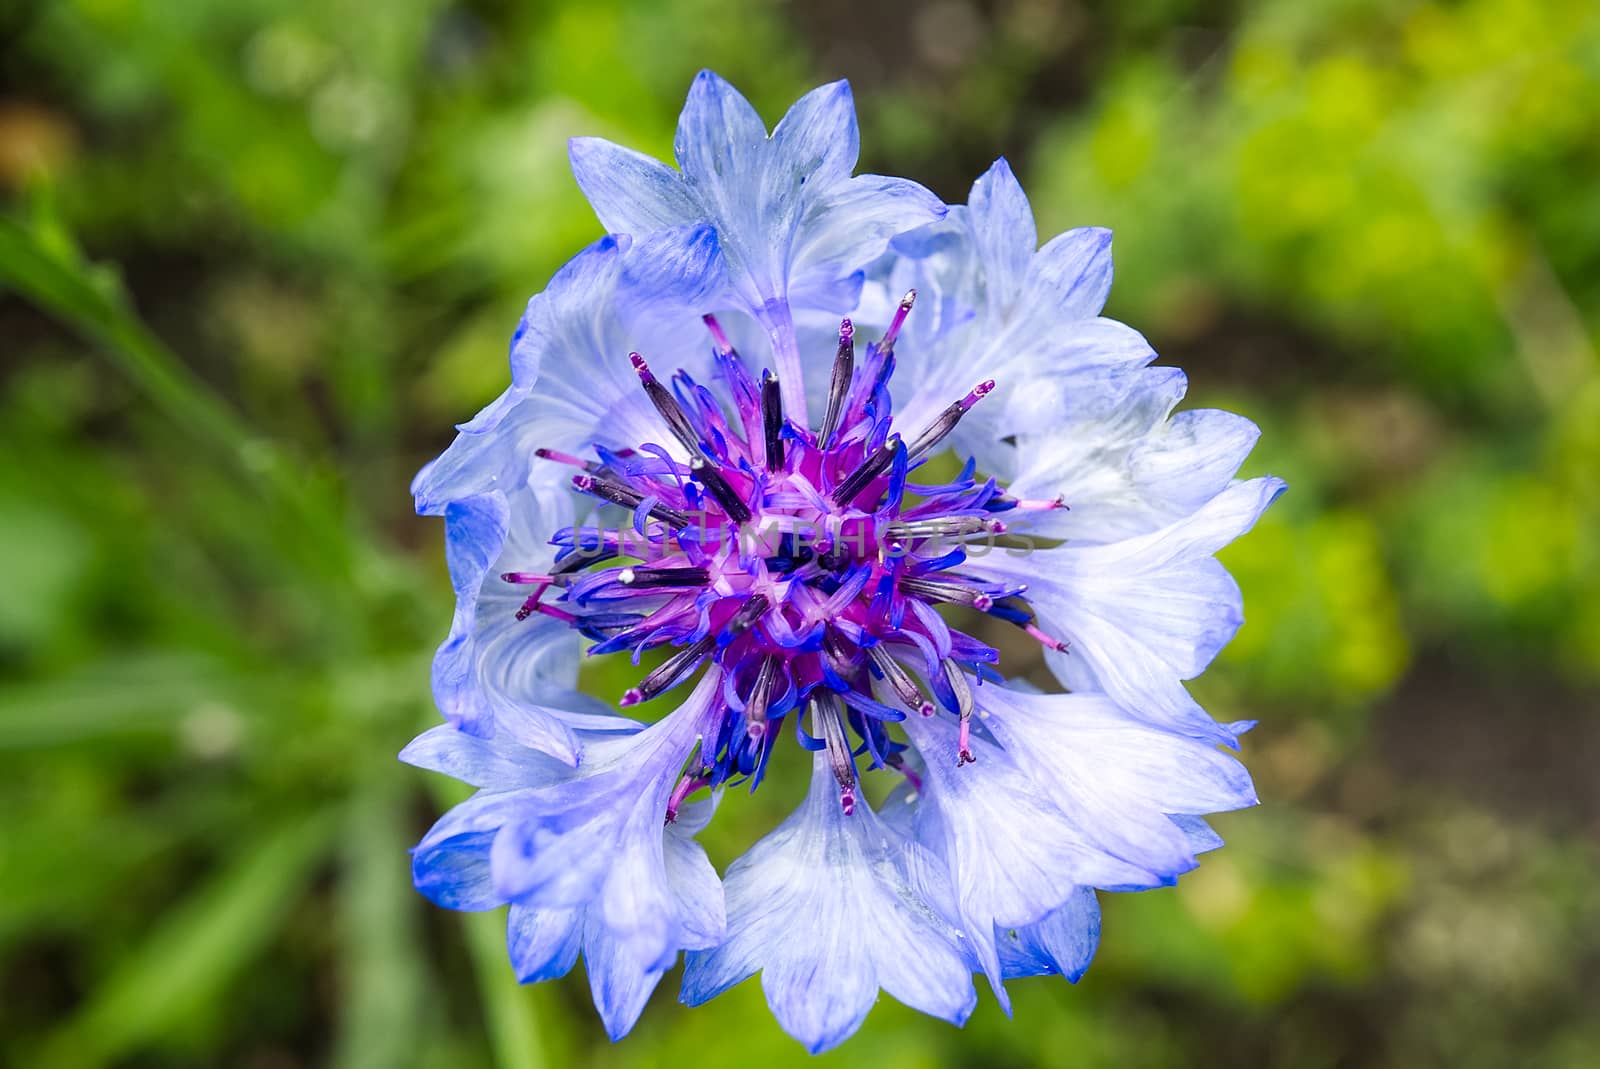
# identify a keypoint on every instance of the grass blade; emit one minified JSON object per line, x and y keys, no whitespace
{"x":383,"y":971}
{"x":188,"y":959}
{"x":509,"y":1009}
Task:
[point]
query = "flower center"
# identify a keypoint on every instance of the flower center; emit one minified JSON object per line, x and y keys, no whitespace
{"x":805,"y":565}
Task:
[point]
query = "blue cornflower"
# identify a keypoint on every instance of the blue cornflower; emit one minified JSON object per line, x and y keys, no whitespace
{"x":763,"y":523}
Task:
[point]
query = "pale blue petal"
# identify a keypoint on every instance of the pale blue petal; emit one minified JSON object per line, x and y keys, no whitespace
{"x":852,"y":222}
{"x":1178,"y":558}
{"x":496,"y":765}
{"x":720,"y":136}
{"x":1033,"y":318}
{"x":1061,"y":944}
{"x":475,"y":532}
{"x":621,"y":977}
{"x":451,"y":864}
{"x":494,"y":450}
{"x":501,"y":502}
{"x":474,"y":535}
{"x":1008,"y":870}
{"x":1115,"y":407}
{"x":474,"y":462}
{"x":824,"y":288}
{"x":830,"y":908}
{"x":1116,"y":778}
{"x":817,"y":140}
{"x":1035,"y":350}
{"x":1146,"y":613}
{"x":1195,"y":456}
{"x":557,"y":849}
{"x":1128,"y":761}
{"x":1071,"y":275}
{"x":1012,"y":856}
{"x":821,"y":999}
{"x":791,"y":223}
{"x":943,"y":246}
{"x":454,"y":872}
{"x":542,"y":943}
{"x":625,"y":953}
{"x":631,"y":193}
{"x":596,"y":839}
{"x":696,"y":890}
{"x":679,"y":268}
{"x":1100,"y":440}
{"x":636,"y":902}
{"x":1202,"y":837}
{"x":579,"y":293}
{"x":1002,"y":224}
{"x":571,"y":382}
{"x":517,"y":677}
{"x":1030,"y":354}
{"x":582,"y":331}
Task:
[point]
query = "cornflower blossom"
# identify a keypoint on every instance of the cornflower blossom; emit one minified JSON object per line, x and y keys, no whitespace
{"x":800,"y":443}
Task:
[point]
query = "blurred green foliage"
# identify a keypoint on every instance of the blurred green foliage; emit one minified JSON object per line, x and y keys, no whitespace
{"x":257,"y":256}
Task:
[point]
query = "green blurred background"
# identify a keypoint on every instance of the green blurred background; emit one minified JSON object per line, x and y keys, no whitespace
{"x":257,"y":257}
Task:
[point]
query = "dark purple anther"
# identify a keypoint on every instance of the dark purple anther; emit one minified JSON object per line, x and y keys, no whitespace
{"x":760,"y":700}
{"x":947,"y":420}
{"x":844,"y":370}
{"x":840,"y":656}
{"x":889,"y":336}
{"x":670,"y":671}
{"x":827,"y":714}
{"x":644,"y":578}
{"x":871,"y":468}
{"x":629,"y":498}
{"x":945,"y":527}
{"x":719,"y":488}
{"x":899,"y":680}
{"x":667,"y":405}
{"x":585,"y":557}
{"x":833,"y":560}
{"x":745,"y":618}
{"x":529,"y":578}
{"x":772,"y":420}
{"x":951,"y":593}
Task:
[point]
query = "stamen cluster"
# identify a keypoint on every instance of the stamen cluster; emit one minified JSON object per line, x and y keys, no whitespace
{"x":804,"y":563}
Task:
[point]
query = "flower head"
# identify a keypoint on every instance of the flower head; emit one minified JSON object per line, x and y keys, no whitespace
{"x":686,"y":469}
